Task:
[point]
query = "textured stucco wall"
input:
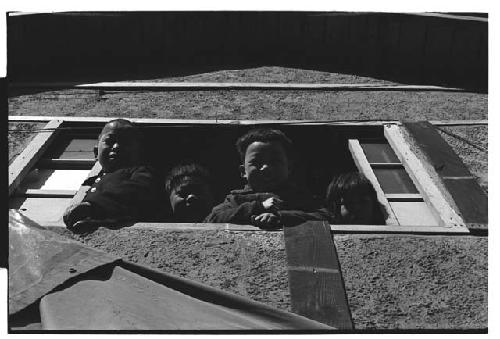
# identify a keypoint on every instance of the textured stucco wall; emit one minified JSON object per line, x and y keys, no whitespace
{"x":415,"y":282}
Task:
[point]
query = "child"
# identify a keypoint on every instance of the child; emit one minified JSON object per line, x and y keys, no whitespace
{"x":189,"y":193}
{"x":123,"y":190}
{"x":269,"y":199}
{"x":351,"y":199}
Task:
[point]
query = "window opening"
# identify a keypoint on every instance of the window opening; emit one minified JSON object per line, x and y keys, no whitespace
{"x":321,"y":152}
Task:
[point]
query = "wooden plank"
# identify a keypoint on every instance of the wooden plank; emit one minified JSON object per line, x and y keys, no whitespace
{"x":440,"y":154}
{"x":364,"y":167}
{"x":441,"y":209}
{"x":66,"y":163}
{"x":403,"y":229}
{"x":470,"y":199}
{"x":203,"y":86}
{"x":31,"y":118}
{"x":187,"y":122}
{"x":21,"y":166}
{"x":196,"y":226}
{"x":43,"y":193}
{"x":458,"y":122}
{"x":48,"y":221}
{"x":315,"y":280}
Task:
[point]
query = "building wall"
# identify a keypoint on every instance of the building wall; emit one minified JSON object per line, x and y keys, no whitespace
{"x":402,"y":47}
{"x":415,"y":282}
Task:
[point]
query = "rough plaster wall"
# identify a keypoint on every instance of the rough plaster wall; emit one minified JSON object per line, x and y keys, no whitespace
{"x":280,"y":105}
{"x":19,"y":136}
{"x":415,"y":282}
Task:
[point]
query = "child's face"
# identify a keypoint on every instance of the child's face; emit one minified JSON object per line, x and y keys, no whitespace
{"x":117,"y":148}
{"x":266,"y":166}
{"x":357,"y":210}
{"x":191,"y":201}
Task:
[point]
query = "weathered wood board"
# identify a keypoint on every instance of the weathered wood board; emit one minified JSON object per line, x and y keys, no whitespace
{"x":315,"y":280}
{"x":430,"y":192}
{"x":470,"y":199}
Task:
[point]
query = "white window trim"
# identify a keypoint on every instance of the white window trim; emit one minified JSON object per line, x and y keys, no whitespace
{"x":432,"y":195}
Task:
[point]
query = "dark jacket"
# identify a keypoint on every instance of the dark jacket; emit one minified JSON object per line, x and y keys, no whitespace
{"x":134,"y":192}
{"x":240,"y":205}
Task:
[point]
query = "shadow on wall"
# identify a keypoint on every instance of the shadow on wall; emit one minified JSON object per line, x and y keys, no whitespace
{"x":447,"y":50}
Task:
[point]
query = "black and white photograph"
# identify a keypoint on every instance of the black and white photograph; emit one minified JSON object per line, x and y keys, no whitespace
{"x":220,"y":171}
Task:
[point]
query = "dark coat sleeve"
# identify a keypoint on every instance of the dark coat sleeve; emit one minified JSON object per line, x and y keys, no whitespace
{"x":132,"y":194}
{"x":231,"y":212}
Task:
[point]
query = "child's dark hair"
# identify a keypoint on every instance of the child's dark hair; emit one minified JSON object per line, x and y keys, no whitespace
{"x":123,"y":124}
{"x":263,"y":135}
{"x":352,"y":183}
{"x":178,"y":174}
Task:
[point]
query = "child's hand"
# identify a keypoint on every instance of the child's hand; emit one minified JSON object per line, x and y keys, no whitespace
{"x":273,"y":204}
{"x":76,"y":213}
{"x":85,"y":226}
{"x":89,"y":225}
{"x":266,"y":220}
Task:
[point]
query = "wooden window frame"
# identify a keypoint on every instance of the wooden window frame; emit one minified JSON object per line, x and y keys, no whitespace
{"x":450,"y":221}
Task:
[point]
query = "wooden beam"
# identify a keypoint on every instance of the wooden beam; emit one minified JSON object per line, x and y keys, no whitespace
{"x":171,"y":226}
{"x":217,"y":86}
{"x":403,"y":229}
{"x":337,"y":229}
{"x":66,"y":163}
{"x":25,"y":118}
{"x":442,"y":210}
{"x":40,"y":193}
{"x":195,"y":226}
{"x":471,"y":200}
{"x":446,"y":162}
{"x":316,"y":287}
{"x":364,"y":167}
{"x":32,"y":118}
{"x":458,"y":122}
{"x":22,"y":165}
